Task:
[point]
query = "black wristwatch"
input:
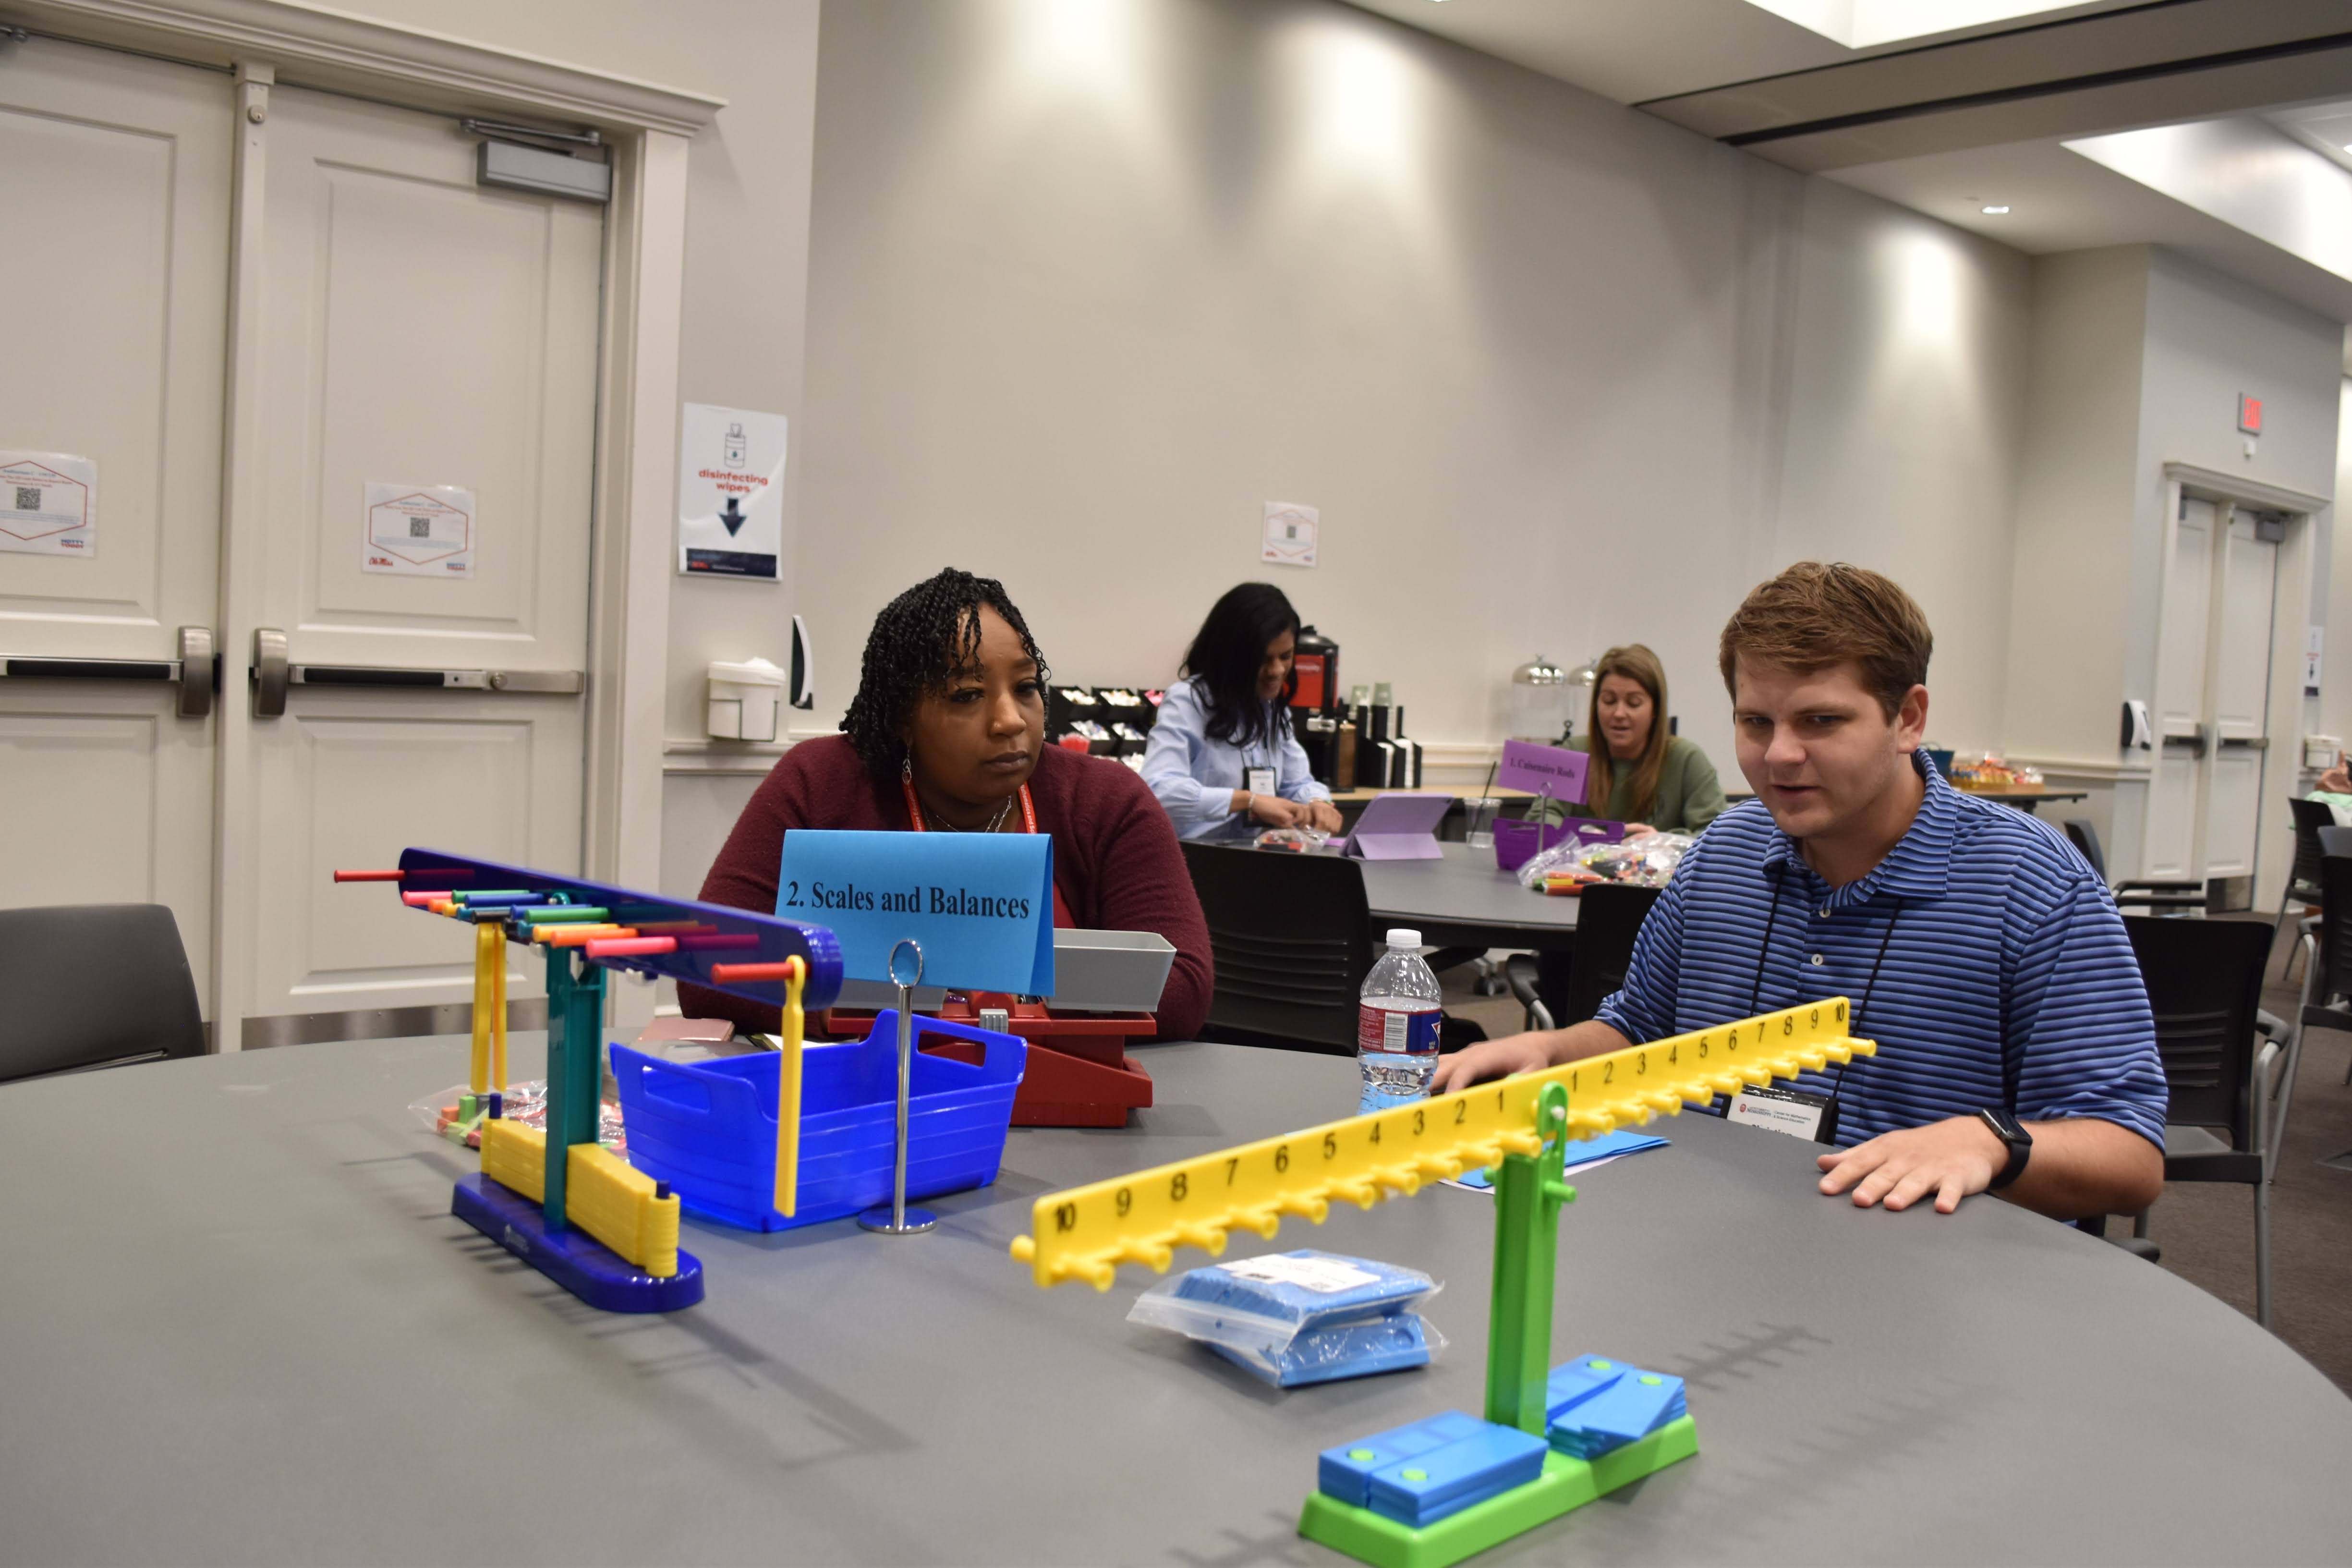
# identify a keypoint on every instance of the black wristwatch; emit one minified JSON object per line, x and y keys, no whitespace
{"x":2012,"y":1131}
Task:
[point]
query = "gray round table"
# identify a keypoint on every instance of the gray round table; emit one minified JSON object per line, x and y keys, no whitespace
{"x":237,"y":1323}
{"x":1463,"y":901}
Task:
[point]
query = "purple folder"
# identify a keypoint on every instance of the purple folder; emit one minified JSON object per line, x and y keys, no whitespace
{"x":1399,"y":827}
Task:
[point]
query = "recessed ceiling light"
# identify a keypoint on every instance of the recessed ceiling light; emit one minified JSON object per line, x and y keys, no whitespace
{"x":1994,"y":211}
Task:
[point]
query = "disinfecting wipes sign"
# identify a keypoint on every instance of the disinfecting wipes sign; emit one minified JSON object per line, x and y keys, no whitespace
{"x":730,"y":492}
{"x":48,"y":503}
{"x":419,"y":531}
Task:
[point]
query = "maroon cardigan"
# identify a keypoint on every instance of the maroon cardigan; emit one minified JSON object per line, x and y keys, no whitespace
{"x":1115,"y":863}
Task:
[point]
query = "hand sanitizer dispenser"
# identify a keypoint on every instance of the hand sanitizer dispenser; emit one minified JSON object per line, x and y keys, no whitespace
{"x":743,"y":700}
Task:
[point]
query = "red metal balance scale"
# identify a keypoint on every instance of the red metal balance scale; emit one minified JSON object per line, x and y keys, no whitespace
{"x":1079,"y":1074}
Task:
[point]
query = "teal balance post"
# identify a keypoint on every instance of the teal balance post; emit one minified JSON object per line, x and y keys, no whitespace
{"x":1430,"y":1494}
{"x":575,"y":1067}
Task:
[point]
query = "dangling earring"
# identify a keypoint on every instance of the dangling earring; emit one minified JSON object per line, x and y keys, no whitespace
{"x":907,"y":767}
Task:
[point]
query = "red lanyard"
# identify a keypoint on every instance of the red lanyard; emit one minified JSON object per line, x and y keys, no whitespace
{"x":915,"y":807}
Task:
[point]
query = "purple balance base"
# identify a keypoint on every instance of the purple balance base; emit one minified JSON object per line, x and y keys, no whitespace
{"x":570,"y":1257}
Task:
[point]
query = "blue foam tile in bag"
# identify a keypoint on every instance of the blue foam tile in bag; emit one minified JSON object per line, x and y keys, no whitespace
{"x":1632,"y":1405}
{"x":1345,"y":1472}
{"x":1388,"y":1343}
{"x":1428,"y":1486}
{"x":1362,"y":1287}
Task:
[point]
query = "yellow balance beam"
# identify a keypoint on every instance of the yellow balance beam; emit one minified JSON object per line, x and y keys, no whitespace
{"x":603,"y":1196}
{"x":1085,"y":1233}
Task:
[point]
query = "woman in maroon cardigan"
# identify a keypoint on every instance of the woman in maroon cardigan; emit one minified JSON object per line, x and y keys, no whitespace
{"x":947,"y":735}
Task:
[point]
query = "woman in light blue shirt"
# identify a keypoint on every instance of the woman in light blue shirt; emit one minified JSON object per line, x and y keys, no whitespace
{"x":1223,"y":759}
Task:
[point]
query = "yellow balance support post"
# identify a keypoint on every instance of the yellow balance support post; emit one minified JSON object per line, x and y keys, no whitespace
{"x":603,"y":1196}
{"x":1085,"y":1233}
{"x":788,"y":1091}
{"x":499,"y":1008}
{"x":489,"y":968}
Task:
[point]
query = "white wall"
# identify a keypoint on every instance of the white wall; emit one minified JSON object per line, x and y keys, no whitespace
{"x":1091,"y":280}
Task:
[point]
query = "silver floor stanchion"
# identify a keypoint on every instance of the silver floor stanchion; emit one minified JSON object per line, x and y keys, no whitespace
{"x":898,"y":1219}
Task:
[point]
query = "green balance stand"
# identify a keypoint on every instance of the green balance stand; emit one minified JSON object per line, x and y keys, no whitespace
{"x":1529,"y":1191}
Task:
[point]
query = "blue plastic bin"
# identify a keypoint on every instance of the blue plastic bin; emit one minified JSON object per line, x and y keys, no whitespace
{"x":708,"y":1129}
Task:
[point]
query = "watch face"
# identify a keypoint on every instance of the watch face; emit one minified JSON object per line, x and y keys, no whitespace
{"x":2008,"y":1127}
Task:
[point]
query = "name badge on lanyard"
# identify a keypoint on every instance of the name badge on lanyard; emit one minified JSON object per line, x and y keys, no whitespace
{"x":1260,"y":781}
{"x":1795,"y":1111}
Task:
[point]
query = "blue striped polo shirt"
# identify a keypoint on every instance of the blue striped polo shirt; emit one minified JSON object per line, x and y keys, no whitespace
{"x":2003,"y":976}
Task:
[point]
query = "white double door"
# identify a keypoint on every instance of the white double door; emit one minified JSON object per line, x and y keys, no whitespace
{"x":2212,"y":701}
{"x":245,"y":323}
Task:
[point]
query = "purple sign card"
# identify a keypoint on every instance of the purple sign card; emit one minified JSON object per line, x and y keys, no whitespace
{"x":1399,"y":827}
{"x":1554,"y":771}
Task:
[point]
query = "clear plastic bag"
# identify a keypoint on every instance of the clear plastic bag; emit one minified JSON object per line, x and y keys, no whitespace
{"x":1300,"y":1317}
{"x":443,"y":1114}
{"x":1644,"y":860}
{"x":1297,"y":840}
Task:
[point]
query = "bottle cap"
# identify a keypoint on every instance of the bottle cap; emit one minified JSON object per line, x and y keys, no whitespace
{"x":1404,"y":936}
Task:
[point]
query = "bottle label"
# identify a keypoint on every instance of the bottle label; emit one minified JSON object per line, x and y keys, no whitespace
{"x":1397,"y":1033}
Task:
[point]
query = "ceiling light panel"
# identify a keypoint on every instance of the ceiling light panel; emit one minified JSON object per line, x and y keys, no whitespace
{"x":1867,"y":23}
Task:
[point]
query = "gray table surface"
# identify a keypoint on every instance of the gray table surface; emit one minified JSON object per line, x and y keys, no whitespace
{"x":1463,"y":901}
{"x":237,"y":1323}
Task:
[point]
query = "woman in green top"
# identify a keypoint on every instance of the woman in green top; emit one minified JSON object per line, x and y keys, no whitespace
{"x":1640,"y":775}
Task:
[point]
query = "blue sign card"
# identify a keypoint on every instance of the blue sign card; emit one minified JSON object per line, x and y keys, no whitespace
{"x":981,"y":904}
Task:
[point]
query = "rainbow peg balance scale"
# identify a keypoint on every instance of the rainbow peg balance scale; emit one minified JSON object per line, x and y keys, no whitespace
{"x":1554,"y":1438}
{"x":557,"y":1198}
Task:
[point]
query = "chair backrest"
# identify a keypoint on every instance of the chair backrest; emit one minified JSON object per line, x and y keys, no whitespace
{"x":2334,"y":958}
{"x":1292,"y":938}
{"x":93,"y":985}
{"x":2310,"y":816}
{"x":2085,"y":836}
{"x":1608,"y":918}
{"x":2335,"y":841}
{"x":2204,"y":980}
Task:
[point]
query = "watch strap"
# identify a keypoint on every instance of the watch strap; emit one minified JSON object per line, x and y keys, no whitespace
{"x":2019,"y":1142}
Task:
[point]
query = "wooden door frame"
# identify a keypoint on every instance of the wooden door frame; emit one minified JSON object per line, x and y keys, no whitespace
{"x":264,"y":43}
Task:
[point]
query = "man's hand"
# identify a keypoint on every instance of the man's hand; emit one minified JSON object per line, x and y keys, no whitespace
{"x":1490,"y":1058}
{"x":1524,"y":1052}
{"x":1953,"y":1159}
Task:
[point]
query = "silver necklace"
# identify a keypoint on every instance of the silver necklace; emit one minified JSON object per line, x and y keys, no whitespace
{"x":993,"y":822}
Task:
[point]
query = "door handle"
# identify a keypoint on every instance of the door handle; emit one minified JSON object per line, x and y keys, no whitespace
{"x":554,"y":682}
{"x":199,"y":672}
{"x":268,"y":673}
{"x":2248,"y":743}
{"x":192,"y":672}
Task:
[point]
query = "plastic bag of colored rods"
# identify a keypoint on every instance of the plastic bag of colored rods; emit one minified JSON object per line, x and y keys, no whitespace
{"x":1300,"y":1317}
{"x":457,"y":1113}
{"x":1644,"y":860}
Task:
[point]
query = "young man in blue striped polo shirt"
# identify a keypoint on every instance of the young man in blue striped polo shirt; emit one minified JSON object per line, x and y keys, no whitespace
{"x":2015,"y":1049}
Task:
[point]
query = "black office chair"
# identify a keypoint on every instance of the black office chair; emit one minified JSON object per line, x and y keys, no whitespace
{"x":1562,"y":988}
{"x":2178,"y":896}
{"x":1292,"y":938}
{"x":2303,"y":881}
{"x":2204,"y":981}
{"x":93,"y":985}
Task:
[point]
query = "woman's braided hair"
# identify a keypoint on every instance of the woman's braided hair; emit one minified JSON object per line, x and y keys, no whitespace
{"x":920,"y":641}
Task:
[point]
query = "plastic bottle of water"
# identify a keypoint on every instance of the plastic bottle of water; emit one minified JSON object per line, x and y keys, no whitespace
{"x":1396,"y":1026}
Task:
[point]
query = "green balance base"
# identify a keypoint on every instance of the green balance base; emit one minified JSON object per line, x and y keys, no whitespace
{"x":1566,"y":1484}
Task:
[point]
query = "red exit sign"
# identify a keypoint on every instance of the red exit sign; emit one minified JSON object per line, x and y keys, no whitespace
{"x":2250,"y":415}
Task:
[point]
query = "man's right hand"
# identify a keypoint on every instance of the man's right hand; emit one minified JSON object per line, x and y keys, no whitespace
{"x":1491,"y":1059}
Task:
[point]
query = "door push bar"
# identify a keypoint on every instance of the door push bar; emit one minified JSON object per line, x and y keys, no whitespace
{"x":196,"y":671}
{"x":272,"y":672}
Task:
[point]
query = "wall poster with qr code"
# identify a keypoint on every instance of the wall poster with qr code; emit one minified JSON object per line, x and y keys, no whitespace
{"x":48,"y":503}
{"x":419,"y":531}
